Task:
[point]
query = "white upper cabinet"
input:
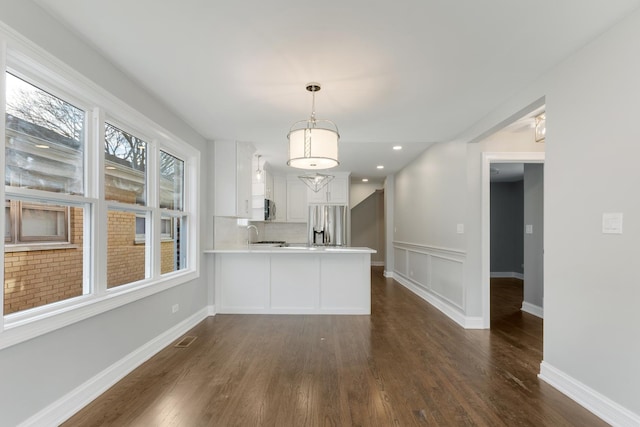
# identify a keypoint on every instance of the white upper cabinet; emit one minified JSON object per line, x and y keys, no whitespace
{"x":296,"y":200}
{"x":280,"y":197}
{"x":336,"y":192}
{"x":261,"y":189}
{"x":232,"y":175}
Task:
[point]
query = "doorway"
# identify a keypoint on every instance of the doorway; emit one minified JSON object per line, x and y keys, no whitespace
{"x":516,"y":239}
{"x":490,"y":160}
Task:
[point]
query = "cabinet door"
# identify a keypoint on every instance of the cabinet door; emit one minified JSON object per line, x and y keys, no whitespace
{"x":243,"y":179}
{"x":296,"y":201}
{"x":318,"y":197}
{"x":268,"y":185}
{"x":338,"y":191}
{"x":280,"y":197}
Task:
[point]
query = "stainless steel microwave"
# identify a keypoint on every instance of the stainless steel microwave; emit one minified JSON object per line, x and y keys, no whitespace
{"x":269,"y":210}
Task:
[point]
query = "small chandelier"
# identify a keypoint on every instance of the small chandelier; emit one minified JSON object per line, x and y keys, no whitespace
{"x":316,"y":181}
{"x":313,"y":143}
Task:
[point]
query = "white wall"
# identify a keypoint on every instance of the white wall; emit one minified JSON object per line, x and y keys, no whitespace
{"x":431,"y":190}
{"x":367,"y":226}
{"x":591,"y":291}
{"x":38,"y":372}
{"x":359,"y":191}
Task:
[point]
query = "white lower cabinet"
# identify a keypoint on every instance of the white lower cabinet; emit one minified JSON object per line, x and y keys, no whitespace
{"x":293,"y":283}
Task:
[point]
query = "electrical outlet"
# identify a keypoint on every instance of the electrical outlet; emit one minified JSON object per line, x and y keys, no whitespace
{"x":175,"y":308}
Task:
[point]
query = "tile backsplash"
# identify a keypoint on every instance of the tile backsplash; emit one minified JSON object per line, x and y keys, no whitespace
{"x":232,"y":233}
{"x":290,"y":232}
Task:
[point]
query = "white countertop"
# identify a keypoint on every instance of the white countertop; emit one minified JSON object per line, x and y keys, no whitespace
{"x":294,"y":250}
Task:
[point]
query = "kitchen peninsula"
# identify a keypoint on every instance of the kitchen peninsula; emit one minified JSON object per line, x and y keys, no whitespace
{"x":293,"y":280}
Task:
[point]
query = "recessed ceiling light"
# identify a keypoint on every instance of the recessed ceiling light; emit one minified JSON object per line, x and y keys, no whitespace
{"x":41,"y":146}
{"x":365,"y":180}
{"x":380,"y":167}
{"x":397,"y":147}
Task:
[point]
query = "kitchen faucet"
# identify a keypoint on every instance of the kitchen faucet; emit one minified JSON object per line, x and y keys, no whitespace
{"x":249,"y":227}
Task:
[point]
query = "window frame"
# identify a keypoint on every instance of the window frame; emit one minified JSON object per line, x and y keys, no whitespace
{"x":34,"y":65}
{"x":17,"y":236}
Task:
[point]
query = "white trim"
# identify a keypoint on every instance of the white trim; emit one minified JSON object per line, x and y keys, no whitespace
{"x":449,"y":309}
{"x":485,"y":249}
{"x":605,"y":408}
{"x":377,"y":263}
{"x":63,"y":408}
{"x":427,"y":249}
{"x":507,"y":274}
{"x":388,"y":274}
{"x":536,"y":310}
{"x":211,"y":310}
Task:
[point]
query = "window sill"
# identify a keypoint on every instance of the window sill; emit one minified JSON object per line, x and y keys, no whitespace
{"x":25,"y":247}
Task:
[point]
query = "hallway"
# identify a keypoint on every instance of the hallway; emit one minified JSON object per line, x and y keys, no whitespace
{"x":407,"y":364}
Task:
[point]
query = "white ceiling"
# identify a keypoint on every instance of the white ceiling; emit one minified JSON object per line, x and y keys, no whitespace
{"x":410,"y":72}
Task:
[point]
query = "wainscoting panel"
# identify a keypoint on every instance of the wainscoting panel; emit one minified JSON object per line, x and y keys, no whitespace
{"x":419,"y":268}
{"x":446,"y":279}
{"x":434,"y":274}
{"x":400,"y":257}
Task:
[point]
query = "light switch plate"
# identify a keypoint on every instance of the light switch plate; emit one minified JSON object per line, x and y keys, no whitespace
{"x":528,"y":228}
{"x":460,"y":228}
{"x":612,"y":223}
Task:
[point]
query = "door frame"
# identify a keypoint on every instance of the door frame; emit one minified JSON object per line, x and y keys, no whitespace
{"x":487,"y":159}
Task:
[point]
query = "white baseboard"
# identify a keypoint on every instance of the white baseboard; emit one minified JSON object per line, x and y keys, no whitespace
{"x":388,"y":274}
{"x":211,"y":310}
{"x":63,"y":408}
{"x":444,"y":306}
{"x":377,"y":263}
{"x":536,"y":310}
{"x":508,"y":274}
{"x":600,"y":405}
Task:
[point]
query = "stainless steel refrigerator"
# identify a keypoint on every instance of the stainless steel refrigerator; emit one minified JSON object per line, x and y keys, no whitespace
{"x":327,"y":225}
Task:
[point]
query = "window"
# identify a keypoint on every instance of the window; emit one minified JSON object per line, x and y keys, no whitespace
{"x":44,"y":151}
{"x":166,"y":229}
{"x":45,"y":136}
{"x":125,"y":158}
{"x":173,"y":222}
{"x":80,"y":240}
{"x":36,"y":223}
{"x":126,"y":259}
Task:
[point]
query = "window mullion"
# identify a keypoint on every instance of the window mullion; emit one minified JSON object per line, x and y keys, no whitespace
{"x":154,"y":256}
{"x":97,"y":252}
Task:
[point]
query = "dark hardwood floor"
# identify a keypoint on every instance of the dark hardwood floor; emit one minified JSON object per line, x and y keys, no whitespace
{"x":405,"y":365}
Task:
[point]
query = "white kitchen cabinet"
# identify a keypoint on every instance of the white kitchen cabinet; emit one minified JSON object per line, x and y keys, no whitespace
{"x":336,"y":192}
{"x":232,"y":176}
{"x":296,"y":200}
{"x":280,"y":197}
{"x":261,"y":189}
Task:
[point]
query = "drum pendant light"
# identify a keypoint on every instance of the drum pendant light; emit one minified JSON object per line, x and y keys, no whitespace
{"x":313,"y":143}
